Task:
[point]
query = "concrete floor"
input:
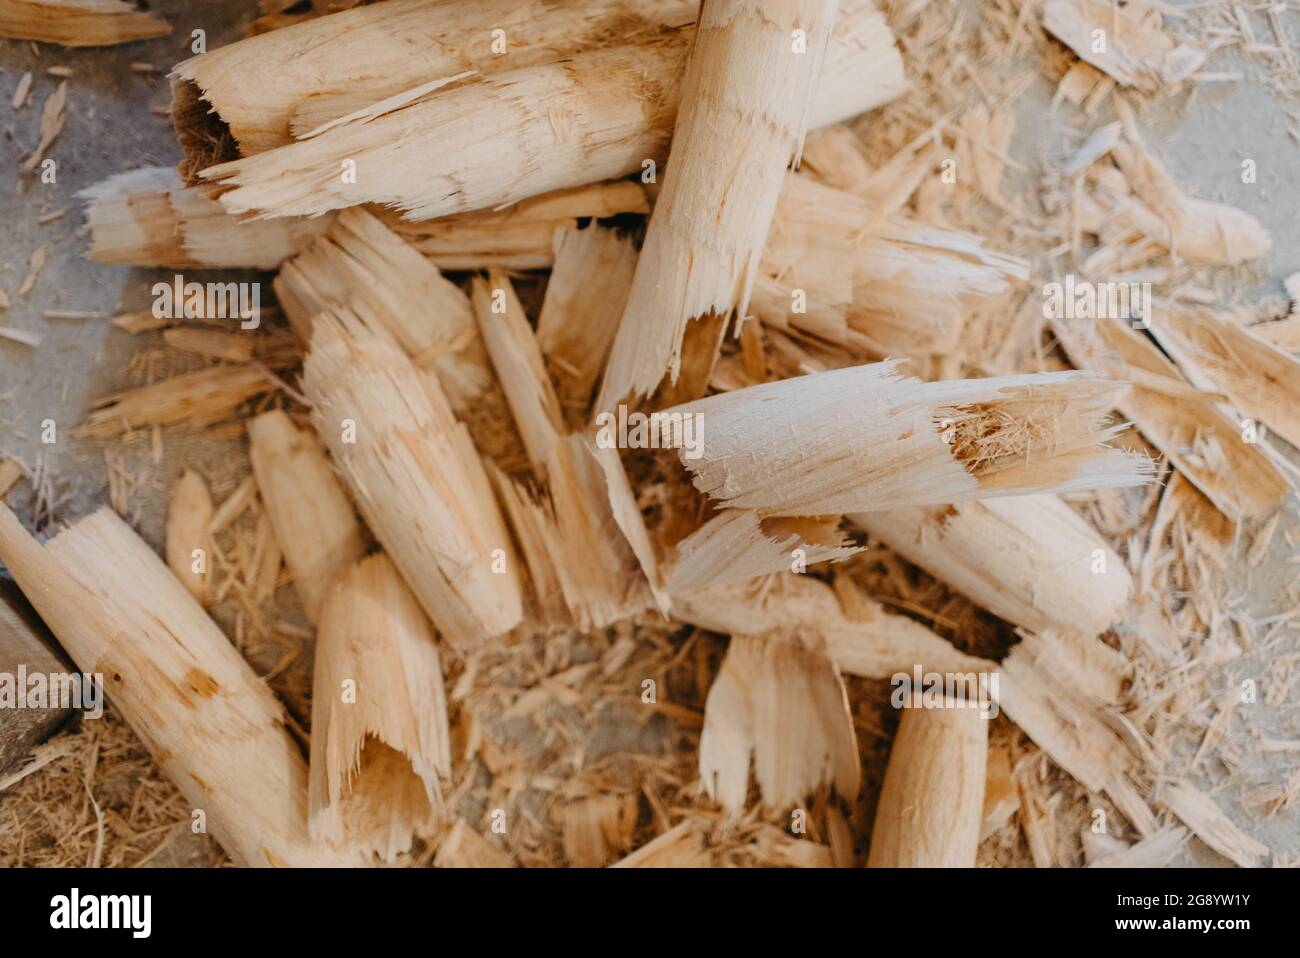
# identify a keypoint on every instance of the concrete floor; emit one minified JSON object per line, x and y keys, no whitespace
{"x":110,"y":127}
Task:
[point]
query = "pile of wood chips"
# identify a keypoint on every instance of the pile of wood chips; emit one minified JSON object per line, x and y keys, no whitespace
{"x":671,"y":443}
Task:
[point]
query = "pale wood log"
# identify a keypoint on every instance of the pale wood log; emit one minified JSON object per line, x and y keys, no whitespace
{"x":215,"y":729}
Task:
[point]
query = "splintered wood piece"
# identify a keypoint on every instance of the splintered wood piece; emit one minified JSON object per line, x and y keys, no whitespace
{"x":531,"y":517}
{"x":1187,"y":426}
{"x":579,"y":556}
{"x":213,"y":727}
{"x":834,"y":268}
{"x":1055,"y":709}
{"x":265,"y":91}
{"x":787,"y":707}
{"x":309,"y":511}
{"x":519,"y":366}
{"x":1211,"y":825}
{"x":872,"y":643}
{"x":1133,"y":48}
{"x":932,"y":798}
{"x":807,"y":445}
{"x":1154,"y":851}
{"x":211,"y":343}
{"x":745,"y":109}
{"x":402,"y":452}
{"x":192,"y":399}
{"x":599,"y":573}
{"x":522,"y":236}
{"x":1262,"y":381}
{"x":601,"y":576}
{"x":585,"y":296}
{"x":1001,"y":797}
{"x":682,"y":846}
{"x":608,"y":111}
{"x":79,"y":23}
{"x":1203,"y":232}
{"x":1031,"y":560}
{"x":379,"y":738}
{"x":26,"y":649}
{"x":146,"y":218}
{"x":362,"y":265}
{"x":737,"y":545}
{"x":189,"y":543}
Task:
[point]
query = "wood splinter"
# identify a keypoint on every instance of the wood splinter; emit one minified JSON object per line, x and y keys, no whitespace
{"x":379,"y":738}
{"x":311,"y":514}
{"x":745,"y":107}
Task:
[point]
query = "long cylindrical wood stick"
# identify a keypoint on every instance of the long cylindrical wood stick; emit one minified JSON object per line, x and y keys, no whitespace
{"x":481,"y":143}
{"x":932,"y":799}
{"x":213,"y":726}
{"x":1031,"y":560}
{"x":415,"y":475}
{"x":312,"y":517}
{"x":745,"y":105}
{"x":379,"y":739}
{"x":262,"y":92}
{"x":26,"y":648}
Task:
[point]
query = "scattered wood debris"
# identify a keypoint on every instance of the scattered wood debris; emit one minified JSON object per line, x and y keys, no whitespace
{"x":637,"y":623}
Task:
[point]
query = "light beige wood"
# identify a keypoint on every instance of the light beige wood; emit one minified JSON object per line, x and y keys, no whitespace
{"x":192,"y":399}
{"x":1203,"y":232}
{"x":264,"y":91}
{"x":79,"y":23}
{"x":379,"y":740}
{"x":480,"y":144}
{"x":932,"y":799}
{"x":525,"y":234}
{"x":602,"y":577}
{"x":737,"y":545}
{"x":403,"y":453}
{"x":836,"y":268}
{"x":585,"y":296}
{"x":147,"y":218}
{"x":189,"y":543}
{"x":215,"y":729}
{"x":786,"y":707}
{"x":745,"y":108}
{"x":519,"y":366}
{"x":1186,"y":425}
{"x":1213,"y":826}
{"x":361,"y":264}
{"x":1031,"y":560}
{"x":465,"y":848}
{"x":1260,"y":379}
{"x":313,"y":519}
{"x":871,"y":643}
{"x":807,"y":446}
